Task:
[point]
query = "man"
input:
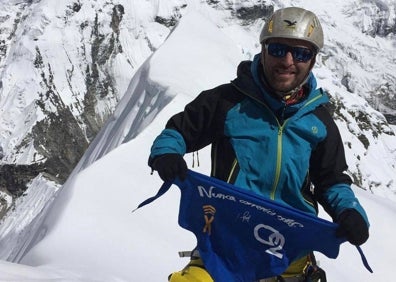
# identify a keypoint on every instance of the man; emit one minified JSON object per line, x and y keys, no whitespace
{"x":271,"y":134}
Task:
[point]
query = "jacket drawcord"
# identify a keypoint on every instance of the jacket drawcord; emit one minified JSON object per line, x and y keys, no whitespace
{"x":193,"y":161}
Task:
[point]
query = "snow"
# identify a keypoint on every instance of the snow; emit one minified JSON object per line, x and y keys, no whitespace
{"x":91,"y":234}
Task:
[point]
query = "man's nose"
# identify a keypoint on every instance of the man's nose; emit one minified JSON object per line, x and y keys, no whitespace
{"x":288,"y":58}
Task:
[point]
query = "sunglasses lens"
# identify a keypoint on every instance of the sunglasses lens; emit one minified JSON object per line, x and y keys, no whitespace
{"x":300,"y":54}
{"x":277,"y":50}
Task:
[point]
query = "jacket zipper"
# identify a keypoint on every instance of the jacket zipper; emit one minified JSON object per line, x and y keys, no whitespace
{"x":234,"y":164}
{"x":278,"y":160}
{"x":280,"y":148}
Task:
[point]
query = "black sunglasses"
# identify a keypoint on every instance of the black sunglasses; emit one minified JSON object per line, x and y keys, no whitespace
{"x":279,"y":50}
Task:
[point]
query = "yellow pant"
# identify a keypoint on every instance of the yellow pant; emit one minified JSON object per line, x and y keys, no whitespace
{"x":195,"y":271}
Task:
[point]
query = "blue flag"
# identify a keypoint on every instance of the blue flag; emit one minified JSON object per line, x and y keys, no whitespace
{"x":242,"y":236}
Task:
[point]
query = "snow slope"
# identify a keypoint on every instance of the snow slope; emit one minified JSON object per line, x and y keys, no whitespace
{"x":91,"y":232}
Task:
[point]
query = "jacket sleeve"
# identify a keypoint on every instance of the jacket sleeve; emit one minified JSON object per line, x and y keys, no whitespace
{"x":328,"y":172}
{"x":193,"y":128}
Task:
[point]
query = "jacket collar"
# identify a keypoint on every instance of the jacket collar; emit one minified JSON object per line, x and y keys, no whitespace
{"x":250,"y":83}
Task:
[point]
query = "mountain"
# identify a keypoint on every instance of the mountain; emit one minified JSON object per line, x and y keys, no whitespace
{"x":86,"y":86}
{"x":64,"y":67}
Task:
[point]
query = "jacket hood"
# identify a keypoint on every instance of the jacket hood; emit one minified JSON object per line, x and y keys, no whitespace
{"x":249,"y":82}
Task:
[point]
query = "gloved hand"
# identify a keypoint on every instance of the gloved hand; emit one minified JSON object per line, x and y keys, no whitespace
{"x":169,"y":166}
{"x":353,"y":227}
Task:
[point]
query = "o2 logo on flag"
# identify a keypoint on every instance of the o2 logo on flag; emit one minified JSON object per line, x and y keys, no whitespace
{"x":275,"y":239}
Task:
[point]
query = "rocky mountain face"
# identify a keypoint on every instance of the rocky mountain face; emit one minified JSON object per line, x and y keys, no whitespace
{"x":377,"y":19}
{"x":65,"y":65}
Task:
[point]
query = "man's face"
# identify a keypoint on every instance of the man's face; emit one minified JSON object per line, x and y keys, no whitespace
{"x":285,"y":73}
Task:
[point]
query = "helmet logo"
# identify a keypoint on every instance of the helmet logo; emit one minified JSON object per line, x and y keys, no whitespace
{"x":290,"y":24}
{"x":312,"y":26}
{"x":270,"y":25}
{"x":310,"y":30}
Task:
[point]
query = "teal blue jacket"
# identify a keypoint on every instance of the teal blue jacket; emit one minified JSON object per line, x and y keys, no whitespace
{"x":291,"y":154}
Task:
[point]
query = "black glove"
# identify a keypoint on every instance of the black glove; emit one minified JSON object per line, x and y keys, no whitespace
{"x":353,"y":227}
{"x":169,"y":166}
